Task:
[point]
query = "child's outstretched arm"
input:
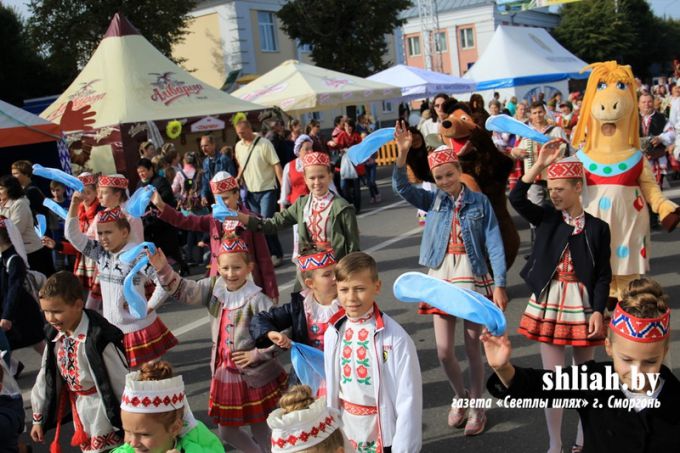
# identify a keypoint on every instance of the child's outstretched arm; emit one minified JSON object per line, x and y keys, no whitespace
{"x":77,"y":238}
{"x":420,"y":198}
{"x":39,"y":400}
{"x":266,"y":327}
{"x":175,"y":218}
{"x":498,"y":351}
{"x":184,"y":290}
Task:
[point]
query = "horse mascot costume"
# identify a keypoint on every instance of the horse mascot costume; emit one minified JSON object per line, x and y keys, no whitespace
{"x":619,"y":182}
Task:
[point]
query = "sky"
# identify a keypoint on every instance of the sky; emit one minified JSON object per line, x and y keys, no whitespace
{"x":670,"y":8}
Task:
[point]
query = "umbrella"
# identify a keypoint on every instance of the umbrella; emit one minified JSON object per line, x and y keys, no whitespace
{"x":418,"y":83}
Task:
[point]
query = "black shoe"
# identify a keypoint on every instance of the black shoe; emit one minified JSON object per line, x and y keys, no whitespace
{"x":20,"y":368}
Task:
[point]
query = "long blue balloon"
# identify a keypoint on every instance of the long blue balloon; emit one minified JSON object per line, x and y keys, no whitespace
{"x":452,"y":299}
{"x":41,"y":228}
{"x":505,"y":123}
{"x":139,"y":201}
{"x":129,"y":256}
{"x":54,"y":207}
{"x":370,"y":145}
{"x":61,"y":176}
{"x":308,"y":365}
{"x":136,"y":302}
{"x":220,"y":211}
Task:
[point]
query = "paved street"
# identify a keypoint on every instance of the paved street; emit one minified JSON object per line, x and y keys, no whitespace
{"x":389,"y":231}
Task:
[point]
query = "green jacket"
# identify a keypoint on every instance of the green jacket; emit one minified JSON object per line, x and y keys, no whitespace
{"x":198,"y":440}
{"x":344,"y":228}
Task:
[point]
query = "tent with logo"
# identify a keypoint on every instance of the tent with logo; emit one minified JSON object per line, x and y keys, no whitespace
{"x":24,"y":136}
{"x":522,"y":61}
{"x":298,"y":87}
{"x":134,"y":92}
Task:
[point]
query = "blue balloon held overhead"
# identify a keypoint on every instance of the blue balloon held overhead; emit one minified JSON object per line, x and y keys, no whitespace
{"x":370,"y":145}
{"x":129,"y":256}
{"x":139,"y":201}
{"x":54,"y":207}
{"x":220,"y":211}
{"x":308,"y":365}
{"x":41,"y":227}
{"x":136,"y":302}
{"x":459,"y":302}
{"x":505,"y":123}
{"x":61,"y":176}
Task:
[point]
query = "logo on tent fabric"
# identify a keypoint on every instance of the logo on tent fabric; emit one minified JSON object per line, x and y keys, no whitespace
{"x":335,"y":83}
{"x":85,"y":94}
{"x":167,"y":90}
{"x":273,"y":89}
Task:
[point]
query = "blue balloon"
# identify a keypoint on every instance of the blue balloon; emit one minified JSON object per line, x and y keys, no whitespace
{"x":308,"y":365}
{"x":220,"y":211}
{"x":136,"y":302}
{"x":452,"y":299}
{"x":129,"y":256}
{"x":505,"y":123}
{"x":370,"y":145}
{"x":139,"y":201}
{"x":54,"y":207}
{"x":61,"y":176}
{"x":41,"y":228}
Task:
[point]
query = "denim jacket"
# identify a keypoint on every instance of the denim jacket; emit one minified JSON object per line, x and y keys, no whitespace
{"x":480,"y":229}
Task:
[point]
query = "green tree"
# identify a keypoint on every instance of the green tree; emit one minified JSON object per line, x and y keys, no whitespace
{"x":68,"y":32}
{"x":622,"y":30}
{"x":347,"y":36}
{"x":23,"y":74}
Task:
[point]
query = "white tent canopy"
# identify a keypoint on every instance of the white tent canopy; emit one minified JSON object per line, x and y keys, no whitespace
{"x":299,"y":87}
{"x":128,"y":80}
{"x":518,"y":56}
{"x":418,"y":83}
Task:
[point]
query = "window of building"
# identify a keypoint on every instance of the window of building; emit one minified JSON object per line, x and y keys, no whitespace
{"x":316,"y":116}
{"x":440,"y":41}
{"x":304,"y":48}
{"x":467,"y":40}
{"x":413,"y":46}
{"x":386,"y":106}
{"x":267,"y":25}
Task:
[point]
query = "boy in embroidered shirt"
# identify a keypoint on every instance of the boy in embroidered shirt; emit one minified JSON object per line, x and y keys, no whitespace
{"x":82,"y":372}
{"x":372,"y":370}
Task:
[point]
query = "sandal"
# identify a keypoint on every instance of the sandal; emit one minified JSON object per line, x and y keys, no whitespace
{"x":476,"y":423}
{"x":457,"y":414}
{"x":576,"y":448}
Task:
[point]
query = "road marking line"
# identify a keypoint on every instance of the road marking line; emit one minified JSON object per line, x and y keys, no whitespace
{"x":381,"y":209}
{"x":203,"y":321}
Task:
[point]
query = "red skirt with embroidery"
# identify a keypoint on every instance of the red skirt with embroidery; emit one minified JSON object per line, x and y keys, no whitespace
{"x":234,"y":403}
{"x":147,"y":344}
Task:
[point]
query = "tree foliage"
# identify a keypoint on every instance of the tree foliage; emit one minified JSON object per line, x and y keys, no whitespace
{"x":66,"y":33}
{"x":23,"y":74}
{"x":622,"y":30}
{"x":347,"y":36}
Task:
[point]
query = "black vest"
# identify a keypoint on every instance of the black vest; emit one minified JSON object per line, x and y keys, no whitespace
{"x":99,"y":334}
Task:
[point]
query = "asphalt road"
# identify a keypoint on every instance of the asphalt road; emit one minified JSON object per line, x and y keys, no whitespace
{"x":390,"y":233}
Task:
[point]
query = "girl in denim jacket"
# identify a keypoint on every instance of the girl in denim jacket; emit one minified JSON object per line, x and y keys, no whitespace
{"x":466,"y":219}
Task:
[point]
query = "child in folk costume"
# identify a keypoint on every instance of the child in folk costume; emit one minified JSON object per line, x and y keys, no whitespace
{"x":226,"y":186}
{"x":324,"y":219}
{"x":82,"y":372}
{"x":372,"y":371}
{"x":145,"y":339}
{"x":303,"y":424}
{"x":156,"y":415}
{"x":639,"y":337}
{"x":307,"y":317}
{"x":84,"y":267}
{"x":112,"y":192}
{"x":467,"y":220}
{"x":247,"y":381}
{"x":568,"y":271}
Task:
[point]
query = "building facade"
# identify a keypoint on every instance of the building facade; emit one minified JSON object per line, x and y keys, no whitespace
{"x":463,"y":30}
